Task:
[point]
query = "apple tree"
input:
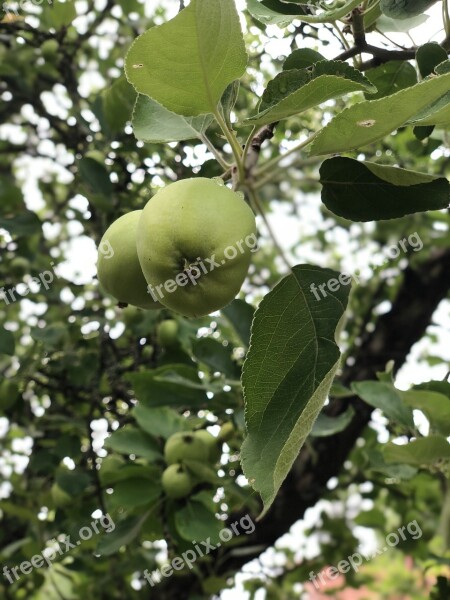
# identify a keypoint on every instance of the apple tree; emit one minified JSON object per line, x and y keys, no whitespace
{"x":224,"y":239}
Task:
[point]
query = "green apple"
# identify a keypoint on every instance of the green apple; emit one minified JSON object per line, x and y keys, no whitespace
{"x":176,"y":482}
{"x":212,"y":444}
{"x":194,"y":241}
{"x":118,"y":268}
{"x":49,"y":49}
{"x":166,"y":333}
{"x":226,"y":432}
{"x":185,"y":445}
{"x":20,"y":266}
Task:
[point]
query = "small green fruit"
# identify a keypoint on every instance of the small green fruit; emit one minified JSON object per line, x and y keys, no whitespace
{"x":194,"y":241}
{"x":20,"y":266}
{"x":212,"y":444}
{"x":132,"y":316}
{"x":118,"y":268}
{"x":166,"y":333}
{"x":184,"y":445}
{"x":176,"y":482}
{"x":59,"y":496}
{"x":226,"y":432}
{"x":49,"y":49}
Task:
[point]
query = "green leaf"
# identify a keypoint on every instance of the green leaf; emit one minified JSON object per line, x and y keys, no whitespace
{"x":391,"y":77}
{"x":95,"y":175}
{"x":430,"y":56}
{"x":7,"y":342}
{"x":240,"y":315}
{"x":154,"y":123}
{"x":423,"y":451}
{"x":59,"y":14}
{"x":118,"y":102}
{"x":72,"y":482}
{"x":438,"y":114}
{"x":130,"y":440}
{"x":216,"y":356}
{"x":168,"y":386}
{"x":294,"y":91}
{"x":159,"y":422}
{"x":378,"y":464}
{"x":384,"y":396}
{"x":369,"y":121}
{"x":134,"y":492}
{"x":25,"y":223}
{"x":325,"y":425}
{"x":288,"y":373}
{"x":436,"y":408}
{"x":195,"y":522}
{"x":187,"y":63}
{"x":124,"y":533}
{"x":302,"y":58}
{"x":271,"y":13}
{"x":365,"y":191}
{"x":404,"y":9}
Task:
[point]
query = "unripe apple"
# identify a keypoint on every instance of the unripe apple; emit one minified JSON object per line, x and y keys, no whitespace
{"x":118,"y":268}
{"x":226,"y":432}
{"x":194,"y":242}
{"x":166,"y":333}
{"x":176,"y":482}
{"x":212,"y":444}
{"x":49,"y":49}
{"x":184,"y":445}
{"x":20,"y":266}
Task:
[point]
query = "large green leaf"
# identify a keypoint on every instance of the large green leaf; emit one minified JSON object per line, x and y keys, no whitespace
{"x":435,"y":406}
{"x":384,"y":396}
{"x":124,"y":533}
{"x":7,"y":342}
{"x":296,"y":90}
{"x":187,"y":63}
{"x":118,"y":101}
{"x":270,"y":12}
{"x":302,"y":58}
{"x":430,"y":56}
{"x":133,"y":492}
{"x":175,"y":385}
{"x":369,"y":121}
{"x":290,"y":366}
{"x":365,"y":191}
{"x":391,"y":77}
{"x":23,"y":224}
{"x":159,"y":422}
{"x":423,"y":451}
{"x":130,"y":440}
{"x":404,"y":9}
{"x":154,"y":123}
{"x":195,"y":522}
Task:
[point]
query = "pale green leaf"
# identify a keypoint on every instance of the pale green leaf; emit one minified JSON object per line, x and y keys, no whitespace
{"x":269,"y":16}
{"x":423,"y":451}
{"x":435,"y":406}
{"x":369,"y":121}
{"x":296,"y":90}
{"x":384,"y":396}
{"x":187,"y":63}
{"x":154,"y":123}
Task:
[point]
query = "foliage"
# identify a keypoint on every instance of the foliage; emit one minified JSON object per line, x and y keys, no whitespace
{"x":293,"y":378}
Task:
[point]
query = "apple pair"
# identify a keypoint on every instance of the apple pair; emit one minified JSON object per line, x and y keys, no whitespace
{"x":193,"y":448}
{"x":188,"y":250}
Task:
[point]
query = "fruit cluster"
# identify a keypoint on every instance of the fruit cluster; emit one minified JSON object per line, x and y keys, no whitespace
{"x":156,"y":256}
{"x":188,"y":456}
